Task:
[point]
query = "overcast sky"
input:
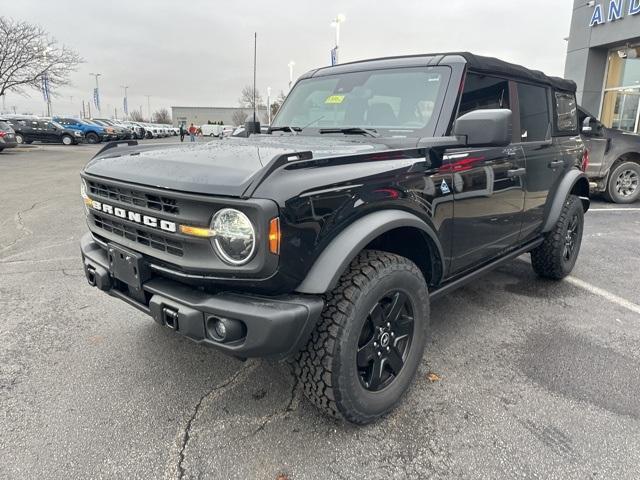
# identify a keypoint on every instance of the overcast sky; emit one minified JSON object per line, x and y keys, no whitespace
{"x":200,"y":52}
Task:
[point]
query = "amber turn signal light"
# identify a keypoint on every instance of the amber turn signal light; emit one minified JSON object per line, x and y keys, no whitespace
{"x":274,"y":236}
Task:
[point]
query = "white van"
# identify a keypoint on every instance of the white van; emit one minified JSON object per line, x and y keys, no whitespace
{"x":211,"y":130}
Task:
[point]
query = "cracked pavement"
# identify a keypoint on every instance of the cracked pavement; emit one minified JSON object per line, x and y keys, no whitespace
{"x":536,"y":379}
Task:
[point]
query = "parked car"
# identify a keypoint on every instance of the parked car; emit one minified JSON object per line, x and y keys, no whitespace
{"x":122,"y":132}
{"x":614,"y":159}
{"x":383,"y":185}
{"x":7,"y":136}
{"x":111,"y":131}
{"x":93,"y":133}
{"x":137,"y":130}
{"x":28,"y":130}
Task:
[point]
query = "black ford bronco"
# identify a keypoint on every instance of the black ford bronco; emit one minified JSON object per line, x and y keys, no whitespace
{"x":381,"y":186}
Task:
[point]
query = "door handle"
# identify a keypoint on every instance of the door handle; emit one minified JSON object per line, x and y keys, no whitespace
{"x":556,"y":164}
{"x":518,"y":172}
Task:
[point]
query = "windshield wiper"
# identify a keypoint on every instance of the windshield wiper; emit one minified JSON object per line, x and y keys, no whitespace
{"x":285,"y":128}
{"x":352,"y":131}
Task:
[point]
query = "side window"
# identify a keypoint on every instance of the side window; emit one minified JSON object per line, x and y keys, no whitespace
{"x":566,"y":112}
{"x":534,"y":113}
{"x":483,"y":92}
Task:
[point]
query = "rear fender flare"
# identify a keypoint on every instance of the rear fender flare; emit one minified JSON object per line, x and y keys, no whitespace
{"x":335,"y":258}
{"x":573,"y":178}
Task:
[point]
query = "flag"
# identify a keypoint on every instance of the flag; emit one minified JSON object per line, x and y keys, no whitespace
{"x":125,"y":106}
{"x":334,"y":56}
{"x":96,"y":98}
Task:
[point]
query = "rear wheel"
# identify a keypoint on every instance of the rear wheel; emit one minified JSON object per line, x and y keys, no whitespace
{"x":557,"y":255}
{"x":67,"y":140}
{"x":367,"y":346}
{"x":624,"y":183}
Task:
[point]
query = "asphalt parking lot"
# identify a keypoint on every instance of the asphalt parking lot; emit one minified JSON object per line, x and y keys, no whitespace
{"x":522,"y":378}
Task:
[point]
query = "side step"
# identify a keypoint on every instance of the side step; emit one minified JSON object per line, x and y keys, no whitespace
{"x":461,"y":281}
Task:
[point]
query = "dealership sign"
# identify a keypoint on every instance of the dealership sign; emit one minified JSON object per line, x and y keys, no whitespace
{"x":615,"y":11}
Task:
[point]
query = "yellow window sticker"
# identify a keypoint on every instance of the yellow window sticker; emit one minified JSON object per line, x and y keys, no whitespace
{"x":334,"y":99}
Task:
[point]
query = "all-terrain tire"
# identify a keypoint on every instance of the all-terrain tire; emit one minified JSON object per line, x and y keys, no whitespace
{"x":557,"y":255}
{"x":327,"y":367}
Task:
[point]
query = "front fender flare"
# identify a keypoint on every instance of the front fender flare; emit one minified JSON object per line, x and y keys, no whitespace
{"x":568,"y":182}
{"x":335,"y":258}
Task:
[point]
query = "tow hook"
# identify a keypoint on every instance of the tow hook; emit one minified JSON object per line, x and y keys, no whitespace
{"x":170,"y":318}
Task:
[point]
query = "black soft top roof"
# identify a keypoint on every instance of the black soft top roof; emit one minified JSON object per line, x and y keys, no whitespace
{"x":478,"y":63}
{"x":493,"y":65}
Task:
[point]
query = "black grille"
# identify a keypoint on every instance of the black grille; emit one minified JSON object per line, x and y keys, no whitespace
{"x":134,"y":197}
{"x":159,"y":242}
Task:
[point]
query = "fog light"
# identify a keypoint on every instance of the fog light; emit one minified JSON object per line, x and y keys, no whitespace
{"x":225,"y":330}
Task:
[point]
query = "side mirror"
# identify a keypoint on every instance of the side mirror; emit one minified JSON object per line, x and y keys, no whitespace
{"x":485,"y":128}
{"x":586,"y":125}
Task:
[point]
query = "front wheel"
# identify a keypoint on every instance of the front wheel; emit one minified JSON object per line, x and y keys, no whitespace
{"x":92,"y":138}
{"x":624,"y":183}
{"x":557,"y":255}
{"x":366,"y":348}
{"x":19,"y":139}
{"x":67,"y":140}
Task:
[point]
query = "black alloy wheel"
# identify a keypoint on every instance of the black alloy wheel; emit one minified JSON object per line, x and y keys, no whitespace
{"x":384,"y":341}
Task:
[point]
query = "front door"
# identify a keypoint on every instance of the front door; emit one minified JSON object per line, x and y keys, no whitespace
{"x":487,"y":184}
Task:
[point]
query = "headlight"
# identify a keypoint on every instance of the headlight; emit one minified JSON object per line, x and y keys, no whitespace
{"x":235,"y":238}
{"x":78,"y":134}
{"x":85,"y":198}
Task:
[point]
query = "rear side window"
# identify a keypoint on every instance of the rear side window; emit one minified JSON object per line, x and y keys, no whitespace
{"x":535,"y":121}
{"x":482,"y":92}
{"x":4,"y":125}
{"x":566,"y":112}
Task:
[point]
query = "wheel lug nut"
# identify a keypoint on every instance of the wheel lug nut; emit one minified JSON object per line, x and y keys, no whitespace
{"x":393,"y":334}
{"x":375,"y":344}
{"x":388,"y":348}
{"x":388,"y":324}
{"x":379,"y":354}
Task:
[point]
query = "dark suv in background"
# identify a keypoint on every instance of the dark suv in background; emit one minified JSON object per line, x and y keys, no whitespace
{"x":614,"y":159}
{"x":380,"y":186}
{"x":7,"y":136}
{"x":29,"y":130}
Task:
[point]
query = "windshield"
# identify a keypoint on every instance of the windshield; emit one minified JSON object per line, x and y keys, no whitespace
{"x":397,"y":101}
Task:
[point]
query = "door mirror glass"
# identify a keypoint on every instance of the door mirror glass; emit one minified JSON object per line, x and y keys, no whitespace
{"x":485,"y":128}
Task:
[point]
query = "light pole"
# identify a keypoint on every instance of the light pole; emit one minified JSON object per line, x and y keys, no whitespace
{"x":96,"y":95}
{"x":125,"y":101}
{"x":291,"y":65}
{"x":148,"y":107}
{"x":340,"y":18}
{"x":269,"y":105}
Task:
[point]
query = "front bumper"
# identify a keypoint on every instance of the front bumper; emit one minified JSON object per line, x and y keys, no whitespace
{"x":274,"y":326}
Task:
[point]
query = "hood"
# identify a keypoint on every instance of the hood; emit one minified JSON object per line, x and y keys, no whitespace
{"x":220,"y":167}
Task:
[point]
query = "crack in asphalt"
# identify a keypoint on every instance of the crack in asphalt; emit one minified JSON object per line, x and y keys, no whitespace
{"x":294,"y":398}
{"x":218,"y":389}
{"x":20,"y":224}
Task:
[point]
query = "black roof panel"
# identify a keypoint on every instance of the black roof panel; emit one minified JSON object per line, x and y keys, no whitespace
{"x":477,"y":63}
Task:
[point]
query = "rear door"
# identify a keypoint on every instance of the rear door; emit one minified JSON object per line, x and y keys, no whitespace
{"x":487,"y":184}
{"x":555,"y":113}
{"x":543,"y":157}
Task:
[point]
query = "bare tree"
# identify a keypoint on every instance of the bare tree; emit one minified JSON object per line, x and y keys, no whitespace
{"x":28,"y":53}
{"x":161,"y":116}
{"x":239,"y":117}
{"x":136,"y":116}
{"x":277,"y":103}
{"x":246,"y":98}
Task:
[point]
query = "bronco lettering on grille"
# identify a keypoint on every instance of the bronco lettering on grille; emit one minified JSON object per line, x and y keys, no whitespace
{"x":134,"y":216}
